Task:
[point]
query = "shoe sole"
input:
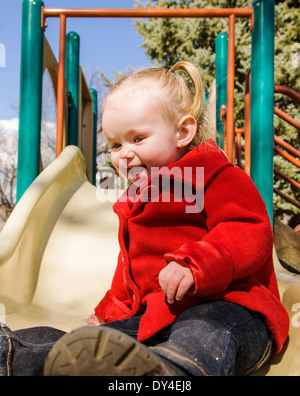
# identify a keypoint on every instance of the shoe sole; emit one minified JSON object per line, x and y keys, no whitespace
{"x":96,"y":351}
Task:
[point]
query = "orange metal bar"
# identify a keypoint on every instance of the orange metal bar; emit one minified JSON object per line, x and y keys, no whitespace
{"x":149,"y":13}
{"x":288,"y":92}
{"x":287,"y":156}
{"x":287,"y":146}
{"x":230,"y":89}
{"x":287,"y":178}
{"x":286,"y":117}
{"x":248,"y":124}
{"x":238,"y":133}
{"x":231,"y":13}
{"x":61,"y":85}
{"x":287,"y":198}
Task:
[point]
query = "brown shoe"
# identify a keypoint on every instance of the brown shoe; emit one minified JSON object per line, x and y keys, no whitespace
{"x":102,"y":351}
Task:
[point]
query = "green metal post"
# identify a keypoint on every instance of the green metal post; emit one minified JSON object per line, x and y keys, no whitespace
{"x":94,"y":95}
{"x":262,"y":100}
{"x":221,"y":78}
{"x":72,"y":78}
{"x":31,"y":81}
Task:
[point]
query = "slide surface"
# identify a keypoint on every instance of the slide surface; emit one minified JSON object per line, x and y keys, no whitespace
{"x":58,"y":252}
{"x":58,"y":249}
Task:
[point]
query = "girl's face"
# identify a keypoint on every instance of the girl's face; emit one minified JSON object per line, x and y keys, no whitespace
{"x":140,"y":136}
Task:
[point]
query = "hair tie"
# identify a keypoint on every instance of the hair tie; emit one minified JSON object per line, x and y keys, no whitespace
{"x":171,"y":70}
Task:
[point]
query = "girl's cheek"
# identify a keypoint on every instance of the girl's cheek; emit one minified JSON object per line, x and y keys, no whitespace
{"x":115,"y":161}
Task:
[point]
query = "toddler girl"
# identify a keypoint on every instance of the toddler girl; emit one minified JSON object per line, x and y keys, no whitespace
{"x":194,"y":291}
{"x":195,"y":280}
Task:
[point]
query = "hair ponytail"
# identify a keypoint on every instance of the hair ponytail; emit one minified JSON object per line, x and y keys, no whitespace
{"x":204,"y":131}
{"x":199,"y":90}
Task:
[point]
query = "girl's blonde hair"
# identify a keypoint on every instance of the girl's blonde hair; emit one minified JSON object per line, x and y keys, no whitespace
{"x":177,"y":97}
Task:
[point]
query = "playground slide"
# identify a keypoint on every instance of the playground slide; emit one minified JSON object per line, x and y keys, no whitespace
{"x":287,"y":363}
{"x":58,"y":249}
{"x":58,"y":252}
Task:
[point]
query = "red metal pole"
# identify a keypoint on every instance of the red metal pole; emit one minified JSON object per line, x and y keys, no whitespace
{"x":61,"y":85}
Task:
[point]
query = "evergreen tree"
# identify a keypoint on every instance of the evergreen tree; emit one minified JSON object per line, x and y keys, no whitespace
{"x":166,"y":41}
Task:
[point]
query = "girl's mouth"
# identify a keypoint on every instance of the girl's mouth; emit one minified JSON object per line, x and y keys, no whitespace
{"x":137,"y":173}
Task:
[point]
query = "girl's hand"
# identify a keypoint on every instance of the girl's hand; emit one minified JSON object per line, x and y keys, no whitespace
{"x":94,"y":321}
{"x":175,"y":280}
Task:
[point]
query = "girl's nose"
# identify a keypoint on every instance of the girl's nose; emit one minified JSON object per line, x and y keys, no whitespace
{"x":126,"y":152}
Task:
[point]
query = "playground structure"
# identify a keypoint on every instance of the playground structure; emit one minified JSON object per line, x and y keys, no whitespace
{"x":60,"y":238}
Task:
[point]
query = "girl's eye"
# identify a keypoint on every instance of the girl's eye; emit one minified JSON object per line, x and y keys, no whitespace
{"x":138,"y":139}
{"x":115,"y":146}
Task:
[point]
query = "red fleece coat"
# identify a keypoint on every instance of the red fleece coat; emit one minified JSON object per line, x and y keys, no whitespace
{"x":227,"y":244}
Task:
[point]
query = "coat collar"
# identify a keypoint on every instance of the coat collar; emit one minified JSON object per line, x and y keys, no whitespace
{"x":207,"y":155}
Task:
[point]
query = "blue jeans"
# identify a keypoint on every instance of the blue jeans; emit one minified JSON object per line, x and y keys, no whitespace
{"x":215,"y":338}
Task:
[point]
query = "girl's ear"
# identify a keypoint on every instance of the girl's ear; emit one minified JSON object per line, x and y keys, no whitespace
{"x":187,"y":129}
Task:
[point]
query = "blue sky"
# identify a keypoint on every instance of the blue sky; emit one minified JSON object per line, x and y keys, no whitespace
{"x":108,"y":44}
